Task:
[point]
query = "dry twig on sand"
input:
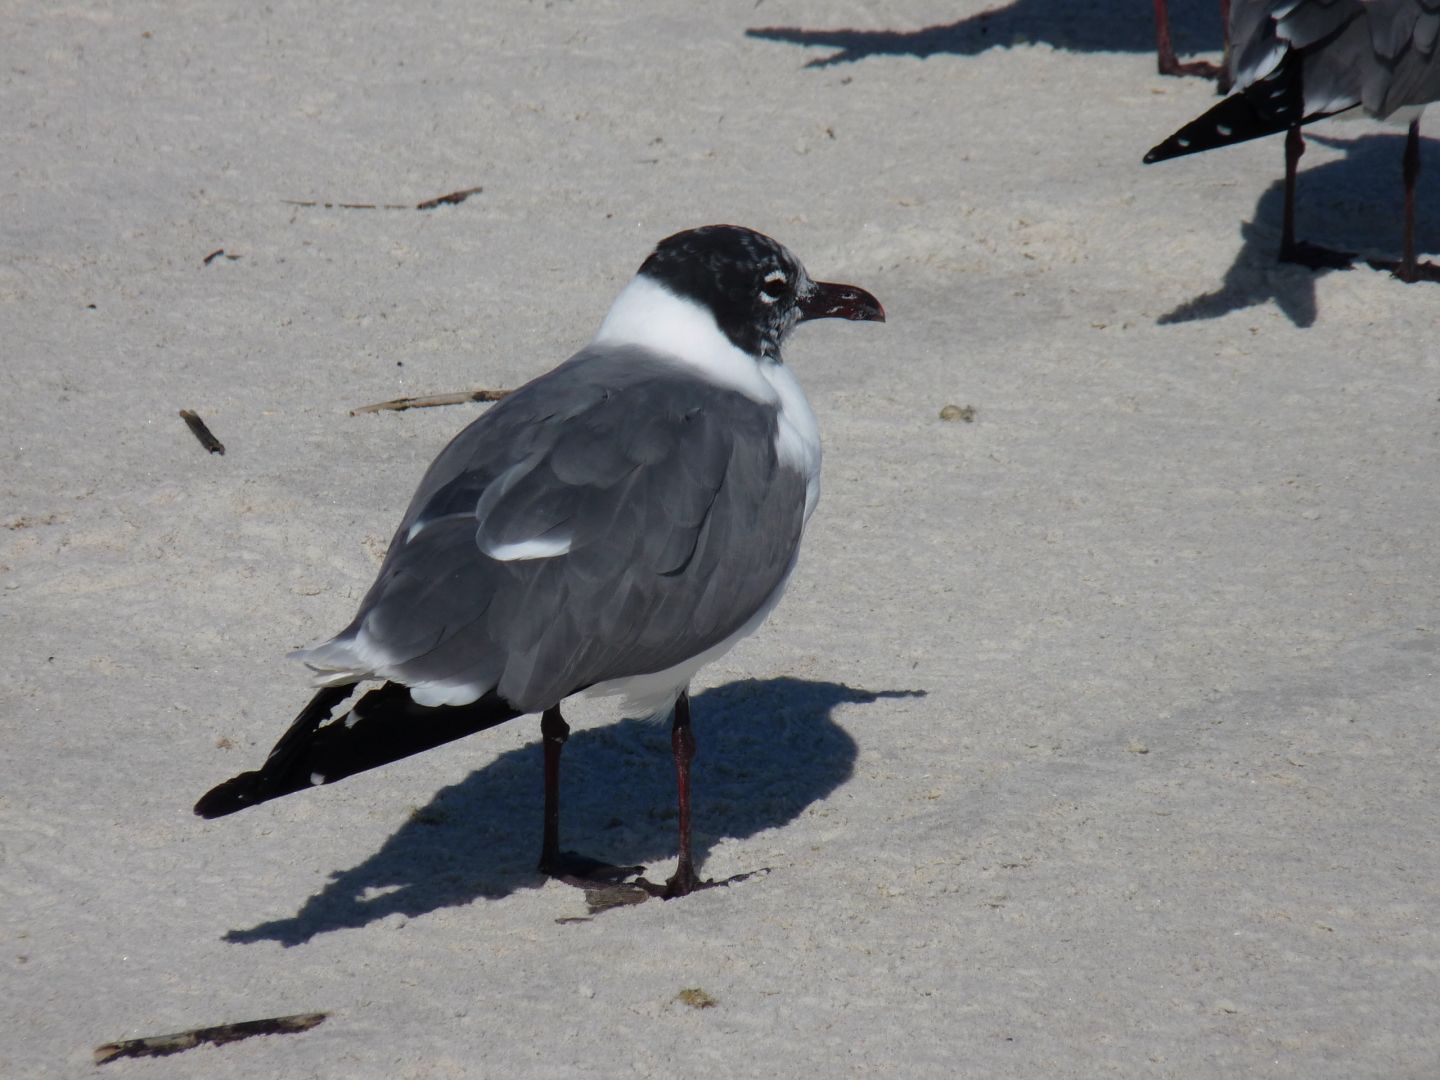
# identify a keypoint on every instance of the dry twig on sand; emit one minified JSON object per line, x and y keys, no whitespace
{"x":160,"y":1045}
{"x":430,"y":401}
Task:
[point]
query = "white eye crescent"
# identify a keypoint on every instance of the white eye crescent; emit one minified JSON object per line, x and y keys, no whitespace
{"x":776,"y":286}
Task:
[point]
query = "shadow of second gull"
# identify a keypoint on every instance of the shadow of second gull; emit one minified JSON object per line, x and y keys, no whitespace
{"x":767,"y":750}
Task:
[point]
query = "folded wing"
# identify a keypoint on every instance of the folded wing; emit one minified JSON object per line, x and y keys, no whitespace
{"x":613,"y":518}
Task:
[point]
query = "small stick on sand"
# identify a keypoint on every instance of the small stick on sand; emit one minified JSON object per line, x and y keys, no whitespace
{"x":455,"y":198}
{"x":201,"y":432}
{"x":401,"y":404}
{"x":160,"y":1045}
{"x":347,"y":205}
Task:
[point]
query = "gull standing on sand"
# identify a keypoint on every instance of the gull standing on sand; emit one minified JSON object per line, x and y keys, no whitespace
{"x":1296,"y":61}
{"x":610,"y":527}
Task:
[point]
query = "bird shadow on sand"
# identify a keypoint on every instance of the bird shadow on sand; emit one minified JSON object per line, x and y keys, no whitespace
{"x":1096,"y":26}
{"x":1355,"y":204}
{"x":767,"y":749}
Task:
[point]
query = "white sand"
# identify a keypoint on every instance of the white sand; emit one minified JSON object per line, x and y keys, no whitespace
{"x":1166,"y":807}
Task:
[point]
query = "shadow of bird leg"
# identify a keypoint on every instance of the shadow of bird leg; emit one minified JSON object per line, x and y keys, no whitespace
{"x":1314,"y":257}
{"x":1200,"y":69}
{"x":1421,"y":271}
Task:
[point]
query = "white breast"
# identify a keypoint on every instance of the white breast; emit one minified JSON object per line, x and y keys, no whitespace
{"x":797,"y":443}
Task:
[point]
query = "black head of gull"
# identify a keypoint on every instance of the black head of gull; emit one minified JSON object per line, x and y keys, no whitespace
{"x":608,"y":528}
{"x":754,"y":287}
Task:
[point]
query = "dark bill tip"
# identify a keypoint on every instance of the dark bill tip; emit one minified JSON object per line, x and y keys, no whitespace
{"x":831,"y":301}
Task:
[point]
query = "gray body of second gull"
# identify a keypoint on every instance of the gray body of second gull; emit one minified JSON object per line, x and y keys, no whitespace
{"x":1297,"y":61}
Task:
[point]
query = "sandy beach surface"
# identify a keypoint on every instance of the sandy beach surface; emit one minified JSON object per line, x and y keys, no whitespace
{"x":1097,"y":732}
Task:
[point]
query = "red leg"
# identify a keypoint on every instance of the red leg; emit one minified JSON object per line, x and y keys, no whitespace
{"x":685,"y":880}
{"x":682,"y":742}
{"x":1164,"y":50}
{"x":1294,"y":148}
{"x":1410,"y":171}
{"x":566,"y":865}
{"x":1224,"y":78}
{"x":1165,"y":59}
{"x":554,"y":731}
{"x":1410,"y":269}
{"x":1298,"y":251}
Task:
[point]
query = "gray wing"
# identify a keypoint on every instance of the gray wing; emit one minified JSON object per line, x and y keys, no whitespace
{"x":1404,"y":35}
{"x":1377,"y":53}
{"x":659,"y":513}
{"x":1330,"y":33}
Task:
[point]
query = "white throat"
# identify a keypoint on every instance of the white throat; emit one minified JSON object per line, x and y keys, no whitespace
{"x":649,"y":315}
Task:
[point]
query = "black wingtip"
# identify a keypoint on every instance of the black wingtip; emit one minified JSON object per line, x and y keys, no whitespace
{"x":1267,"y":106}
{"x":1231,"y":121}
{"x":384,"y":726}
{"x":234,"y":794}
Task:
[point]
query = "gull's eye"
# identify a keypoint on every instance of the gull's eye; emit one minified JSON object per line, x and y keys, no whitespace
{"x":775,"y":287}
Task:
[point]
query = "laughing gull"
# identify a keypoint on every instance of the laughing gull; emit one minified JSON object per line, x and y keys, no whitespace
{"x":610,"y":527}
{"x":1169,"y":64}
{"x":1296,"y":61}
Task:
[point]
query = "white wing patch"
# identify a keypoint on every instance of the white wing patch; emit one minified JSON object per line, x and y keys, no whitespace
{"x":490,"y":514}
{"x":431,"y":694}
{"x":539,"y":547}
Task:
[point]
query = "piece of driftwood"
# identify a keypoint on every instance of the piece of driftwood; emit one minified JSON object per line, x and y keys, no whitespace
{"x":201,"y":432}
{"x":160,"y":1045}
{"x":430,"y":401}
